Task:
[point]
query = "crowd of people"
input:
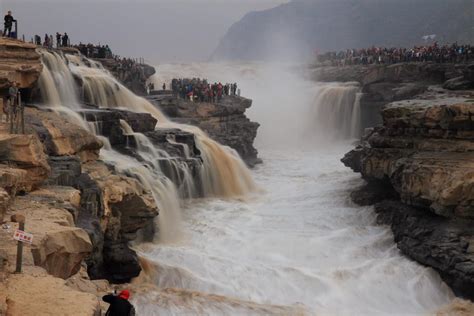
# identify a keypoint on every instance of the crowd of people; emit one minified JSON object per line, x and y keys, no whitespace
{"x":452,"y":53}
{"x":94,"y":51}
{"x":200,"y":90}
{"x":128,"y":70}
{"x":62,"y":40}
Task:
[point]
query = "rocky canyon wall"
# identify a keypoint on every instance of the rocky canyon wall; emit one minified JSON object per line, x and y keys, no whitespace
{"x":419,"y":162}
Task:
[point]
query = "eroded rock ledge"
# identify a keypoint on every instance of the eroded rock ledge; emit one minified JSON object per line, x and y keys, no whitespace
{"x":421,"y":160}
{"x":224,"y":121}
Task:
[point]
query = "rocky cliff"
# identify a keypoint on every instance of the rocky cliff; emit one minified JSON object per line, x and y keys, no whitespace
{"x":134,"y":77}
{"x":383,"y":84}
{"x":82,"y":209}
{"x":419,"y":166}
{"x":224,"y":121}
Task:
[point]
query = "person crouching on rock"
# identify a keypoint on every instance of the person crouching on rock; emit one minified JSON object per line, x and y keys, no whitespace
{"x":119,"y":305}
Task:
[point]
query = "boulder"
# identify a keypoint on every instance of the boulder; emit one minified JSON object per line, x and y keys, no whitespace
{"x":61,"y":252}
{"x":60,"y":136}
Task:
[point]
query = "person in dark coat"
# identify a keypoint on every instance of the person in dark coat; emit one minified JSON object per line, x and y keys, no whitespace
{"x":8,"y":24}
{"x":65,"y":40}
{"x":58,"y":39}
{"x":119,"y":305}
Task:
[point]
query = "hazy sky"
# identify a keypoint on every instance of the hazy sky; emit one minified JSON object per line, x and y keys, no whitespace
{"x":159,"y":30}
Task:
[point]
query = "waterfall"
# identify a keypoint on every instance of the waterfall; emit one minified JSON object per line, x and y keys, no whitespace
{"x":337,"y":110}
{"x":223,"y":173}
{"x":67,"y":79}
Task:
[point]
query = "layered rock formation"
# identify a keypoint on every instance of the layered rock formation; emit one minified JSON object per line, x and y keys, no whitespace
{"x":422,"y":162}
{"x":224,"y":121}
{"x":20,"y":63}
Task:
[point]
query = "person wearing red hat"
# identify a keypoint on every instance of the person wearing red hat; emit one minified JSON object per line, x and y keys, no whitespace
{"x":119,"y":305}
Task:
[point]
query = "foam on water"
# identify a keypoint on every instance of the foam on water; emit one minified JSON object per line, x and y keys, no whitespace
{"x":301,"y":244}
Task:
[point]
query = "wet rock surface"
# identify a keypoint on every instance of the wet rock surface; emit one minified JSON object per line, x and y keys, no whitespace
{"x":224,"y":121}
{"x":134,"y":78}
{"x":447,"y":245}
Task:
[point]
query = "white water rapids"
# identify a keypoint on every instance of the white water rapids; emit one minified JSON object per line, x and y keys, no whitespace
{"x":300,"y":247}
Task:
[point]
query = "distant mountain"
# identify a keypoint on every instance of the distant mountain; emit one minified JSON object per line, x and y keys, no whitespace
{"x":299,"y":28}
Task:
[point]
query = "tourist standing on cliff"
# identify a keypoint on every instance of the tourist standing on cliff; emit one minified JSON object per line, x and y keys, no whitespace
{"x":8,"y":24}
{"x":119,"y":305}
{"x":46,"y":40}
{"x":58,"y":39}
{"x":65,"y":40}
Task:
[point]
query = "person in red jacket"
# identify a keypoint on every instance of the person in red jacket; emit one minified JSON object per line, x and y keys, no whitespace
{"x":119,"y":305}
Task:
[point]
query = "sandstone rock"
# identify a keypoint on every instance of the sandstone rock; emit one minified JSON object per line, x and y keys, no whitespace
{"x":127,"y":208}
{"x":61,"y":252}
{"x":25,"y":152}
{"x":425,"y":152}
{"x":14,"y":180}
{"x":58,"y":246}
{"x":51,"y":297}
{"x":60,"y":136}
{"x":20,"y":63}
{"x":422,"y":154}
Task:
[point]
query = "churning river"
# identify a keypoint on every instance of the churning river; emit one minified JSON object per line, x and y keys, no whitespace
{"x":299,"y":246}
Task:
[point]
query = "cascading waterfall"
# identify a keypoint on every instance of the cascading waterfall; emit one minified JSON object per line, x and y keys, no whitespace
{"x":152,"y":156}
{"x":223,"y":173}
{"x":337,"y":109}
